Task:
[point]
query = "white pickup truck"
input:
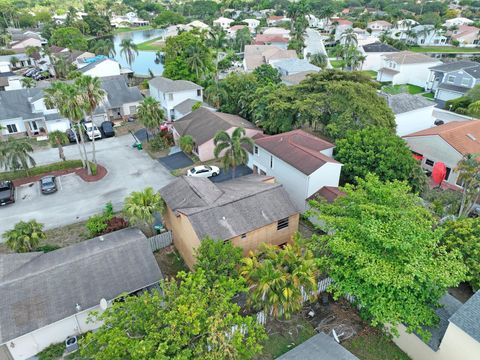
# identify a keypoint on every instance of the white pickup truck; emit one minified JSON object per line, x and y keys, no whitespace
{"x":92,"y":131}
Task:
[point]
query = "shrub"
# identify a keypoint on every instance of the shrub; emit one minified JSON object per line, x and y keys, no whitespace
{"x":116,"y":223}
{"x":40,"y":170}
{"x":93,"y":167}
{"x":54,"y":351}
{"x":461,"y":102}
{"x":161,"y":141}
{"x":96,"y":225}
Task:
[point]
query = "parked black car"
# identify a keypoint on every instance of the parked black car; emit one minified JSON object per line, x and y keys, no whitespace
{"x":7,"y":192}
{"x":48,"y":185}
{"x":107,"y":129}
{"x":70,"y":135}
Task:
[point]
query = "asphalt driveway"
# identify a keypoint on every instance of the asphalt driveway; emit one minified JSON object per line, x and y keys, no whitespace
{"x":176,"y":161}
{"x":241,"y":170}
{"x":128,"y":170}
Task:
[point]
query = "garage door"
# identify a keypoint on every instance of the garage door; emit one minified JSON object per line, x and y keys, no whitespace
{"x":60,"y":125}
{"x":447,"y":95}
{"x":5,"y":353}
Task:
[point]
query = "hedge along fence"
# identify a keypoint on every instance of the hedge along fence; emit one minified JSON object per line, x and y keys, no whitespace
{"x":42,"y":169}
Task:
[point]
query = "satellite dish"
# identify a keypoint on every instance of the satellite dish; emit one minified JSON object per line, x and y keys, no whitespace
{"x":103,"y":304}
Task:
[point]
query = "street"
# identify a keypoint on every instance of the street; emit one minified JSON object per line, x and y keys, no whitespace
{"x":76,"y":200}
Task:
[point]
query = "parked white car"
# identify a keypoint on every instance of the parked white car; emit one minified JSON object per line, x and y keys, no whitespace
{"x":92,"y":130}
{"x":203,"y":171}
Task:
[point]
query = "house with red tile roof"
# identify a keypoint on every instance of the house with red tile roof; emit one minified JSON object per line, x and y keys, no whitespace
{"x":276,"y":40}
{"x":447,"y":143}
{"x":301,"y":162}
{"x":275,"y":20}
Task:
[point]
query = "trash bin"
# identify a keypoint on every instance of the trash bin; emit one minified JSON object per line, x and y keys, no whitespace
{"x":139,"y":146}
{"x":71,"y":343}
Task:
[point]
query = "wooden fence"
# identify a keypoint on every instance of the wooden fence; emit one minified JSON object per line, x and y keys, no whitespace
{"x":160,"y":241}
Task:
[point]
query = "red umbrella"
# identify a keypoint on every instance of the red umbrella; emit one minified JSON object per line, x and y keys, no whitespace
{"x":439,"y":172}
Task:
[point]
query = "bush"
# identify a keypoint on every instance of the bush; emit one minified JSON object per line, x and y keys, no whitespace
{"x":96,"y":225}
{"x":54,"y":351}
{"x":461,"y":102}
{"x":93,"y":167}
{"x":116,"y":223}
{"x":161,"y":141}
{"x":40,"y":170}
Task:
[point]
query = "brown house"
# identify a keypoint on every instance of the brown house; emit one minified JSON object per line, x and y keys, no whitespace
{"x":247,"y":211}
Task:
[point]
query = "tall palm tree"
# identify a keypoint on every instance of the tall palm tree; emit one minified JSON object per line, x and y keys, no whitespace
{"x":25,"y":236}
{"x":28,"y":83}
{"x":58,"y":139}
{"x":349,"y":37}
{"x":232,"y":148}
{"x":196,"y":60}
{"x":91,"y":96}
{"x":104,"y":47}
{"x":150,"y":114}
{"x":217,"y":38}
{"x":129,"y":50}
{"x":16,"y":155}
{"x":280,"y":280}
{"x":64,"y":97}
{"x":61,"y":67}
{"x":140,"y":207}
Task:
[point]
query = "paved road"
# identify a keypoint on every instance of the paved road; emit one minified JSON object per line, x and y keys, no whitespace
{"x":314,"y":44}
{"x":128,"y":170}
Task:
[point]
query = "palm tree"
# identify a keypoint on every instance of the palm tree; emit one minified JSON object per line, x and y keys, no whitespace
{"x":104,"y":47}
{"x":14,"y":61}
{"x":16,"y":155}
{"x":150,"y":114}
{"x":28,"y":83}
{"x":468,"y":170}
{"x":61,"y":67}
{"x":196,"y":60}
{"x":280,"y":280}
{"x":25,"y":236}
{"x":187,"y":144}
{"x":91,"y":96}
{"x":217,"y":38}
{"x":349,"y":37}
{"x":140,"y":207}
{"x":31,"y":50}
{"x":232,"y":147}
{"x":58,"y":139}
{"x":129,"y":50}
{"x":320,"y":60}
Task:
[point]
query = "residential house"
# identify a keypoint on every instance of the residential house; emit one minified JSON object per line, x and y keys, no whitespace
{"x":22,"y":60}
{"x":247,"y":211}
{"x":130,"y":19}
{"x":457,"y":336}
{"x":174,"y":93}
{"x":196,"y":24}
{"x":379,"y":26}
{"x":447,"y":143}
{"x":297,"y":78}
{"x":406,"y":67}
{"x":60,"y":19}
{"x":223,"y":22}
{"x":232,"y":31}
{"x":293,"y":66}
{"x":301,"y":162}
{"x":99,"y":66}
{"x":121,"y":102}
{"x":275,"y":20}
{"x":453,"y":79}
{"x":202,"y":125}
{"x":400,"y":31}
{"x":277,"y":31}
{"x":252,"y":24}
{"x":456,"y":22}
{"x":374,"y":55}
{"x":10,"y":81}
{"x":319,"y":347}
{"x":29,"y":41}
{"x":274,"y":40}
{"x":47,"y":297}
{"x":341,"y":25}
{"x":427,"y":35}
{"x":412,"y":112}
{"x":256,"y":55}
{"x":467,"y":36}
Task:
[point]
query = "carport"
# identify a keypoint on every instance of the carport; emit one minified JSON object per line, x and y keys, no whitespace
{"x":176,"y":161}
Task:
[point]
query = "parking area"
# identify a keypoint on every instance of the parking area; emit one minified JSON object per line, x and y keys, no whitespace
{"x":176,"y":161}
{"x":225,"y":175}
{"x":128,"y":170}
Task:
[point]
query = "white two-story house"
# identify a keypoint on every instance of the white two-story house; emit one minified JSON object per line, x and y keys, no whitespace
{"x":175,"y":96}
{"x":223,"y":22}
{"x":406,"y":67}
{"x":301,"y":162}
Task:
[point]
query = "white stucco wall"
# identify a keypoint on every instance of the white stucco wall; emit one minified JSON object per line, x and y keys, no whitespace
{"x":105,"y":68}
{"x":416,"y":120}
{"x":415,"y":74}
{"x":178,"y":97}
{"x":327,"y":175}
{"x":373,"y":61}
{"x":18,"y":122}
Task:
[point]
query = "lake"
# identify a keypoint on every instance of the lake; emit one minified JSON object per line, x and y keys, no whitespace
{"x":145,"y":60}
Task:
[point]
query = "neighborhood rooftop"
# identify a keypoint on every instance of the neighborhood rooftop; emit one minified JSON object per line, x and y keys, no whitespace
{"x":41,"y":288}
{"x":467,"y":317}
{"x":228,"y":209}
{"x":402,"y":103}
{"x":378,"y":47}
{"x":169,"y":86}
{"x":454,"y":65}
{"x":408,"y":57}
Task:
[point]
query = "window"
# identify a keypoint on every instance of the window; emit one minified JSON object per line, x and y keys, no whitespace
{"x":447,"y":173}
{"x":199,"y":92}
{"x":255,"y":149}
{"x":170,"y":97}
{"x":243,"y":236}
{"x":451,"y":79}
{"x":459,"y":182}
{"x":465,"y":81}
{"x":282,"y":224}
{"x":429,"y":162}
{"x":271,"y":161}
{"x":12,"y":128}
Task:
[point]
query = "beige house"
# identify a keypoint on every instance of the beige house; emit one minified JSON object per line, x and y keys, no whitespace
{"x":247,"y":211}
{"x":257,"y":55}
{"x":456,"y":337}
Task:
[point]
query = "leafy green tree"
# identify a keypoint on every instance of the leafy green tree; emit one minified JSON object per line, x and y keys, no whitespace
{"x":14,"y":61}
{"x":281,"y":279}
{"x":150,"y":114}
{"x":382,"y":250}
{"x":129,"y":50}
{"x":103,"y":47}
{"x":69,"y":37}
{"x":15,"y":155}
{"x":464,"y":235}
{"x":191,"y":319}
{"x":242,"y":37}
{"x":25,"y":236}
{"x":98,"y":25}
{"x":232,"y":148}
{"x":140,"y":207}
{"x":167,"y":18}
{"x":58,"y":139}
{"x":378,"y":151}
{"x":28,"y":83}
{"x":468,"y":170}
{"x":267,"y":74}
{"x":186,"y":143}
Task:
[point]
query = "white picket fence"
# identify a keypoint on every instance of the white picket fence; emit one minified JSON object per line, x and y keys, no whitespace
{"x":160,"y":241}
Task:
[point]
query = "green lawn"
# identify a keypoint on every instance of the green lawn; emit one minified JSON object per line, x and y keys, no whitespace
{"x":371,"y":73}
{"x":374,"y":345}
{"x":336,"y":63}
{"x":398,"y":89}
{"x":428,"y":96}
{"x":149,"y":45}
{"x":136,"y":28}
{"x":443,"y":49}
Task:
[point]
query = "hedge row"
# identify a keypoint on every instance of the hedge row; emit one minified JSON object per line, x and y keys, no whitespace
{"x":42,"y":169}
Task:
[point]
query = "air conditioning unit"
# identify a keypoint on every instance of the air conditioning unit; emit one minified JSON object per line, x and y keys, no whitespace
{"x":71,"y":343}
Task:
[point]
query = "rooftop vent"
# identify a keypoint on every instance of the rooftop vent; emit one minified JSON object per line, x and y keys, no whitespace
{"x":472,"y":137}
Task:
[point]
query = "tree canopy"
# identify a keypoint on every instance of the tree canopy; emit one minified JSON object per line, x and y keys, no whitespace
{"x":69,"y":37}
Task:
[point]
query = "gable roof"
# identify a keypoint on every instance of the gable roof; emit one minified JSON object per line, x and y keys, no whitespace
{"x":228,"y":209}
{"x":467,"y":317}
{"x":329,"y":193}
{"x":296,"y":78}
{"x":202,"y":124}
{"x":256,"y":55}
{"x":402,"y":103}
{"x":186,"y":105}
{"x":380,"y":22}
{"x":299,"y":149}
{"x":378,"y":47}
{"x":41,"y":288}
{"x":261,"y":39}
{"x":463,"y":136}
{"x":454,"y":66}
{"x":409,"y":57}
{"x":292,"y":66}
{"x":118,"y":91}
{"x":464,"y":30}
{"x":166,"y":85}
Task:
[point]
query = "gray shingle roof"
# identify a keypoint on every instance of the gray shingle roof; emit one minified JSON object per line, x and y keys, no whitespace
{"x":202,"y":124}
{"x":455,"y":88}
{"x":38,"y":289}
{"x":453,"y":66}
{"x":293,"y":66}
{"x":474,"y":71}
{"x":467,"y":317}
{"x":119,"y":92}
{"x":319,"y":347}
{"x":378,"y":47}
{"x":169,"y":86}
{"x":228,"y":209}
{"x":186,"y":106}
{"x":295,"y":79}
{"x":402,"y":103}
{"x":91,"y":65}
{"x":15,"y":104}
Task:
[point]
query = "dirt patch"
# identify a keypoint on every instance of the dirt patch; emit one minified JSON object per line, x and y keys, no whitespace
{"x":462,"y":292}
{"x":126,"y":127}
{"x":170,"y":262}
{"x":83,"y":173}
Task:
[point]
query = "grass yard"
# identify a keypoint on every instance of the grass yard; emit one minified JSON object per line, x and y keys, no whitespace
{"x":429,"y":95}
{"x":151,"y":45}
{"x":170,"y":261}
{"x":129,"y":29}
{"x":398,"y":89}
{"x":443,"y":49}
{"x":371,"y":344}
{"x":336,"y":63}
{"x":371,"y":73}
